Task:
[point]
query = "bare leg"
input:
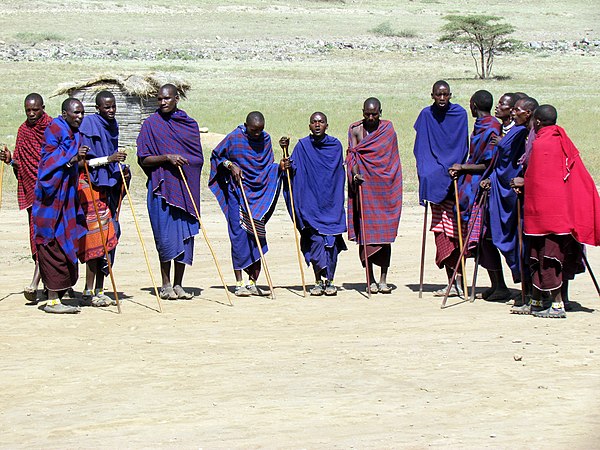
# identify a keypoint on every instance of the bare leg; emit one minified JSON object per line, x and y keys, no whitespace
{"x":90,"y":273}
{"x":35,"y":281}
{"x":238,"y":275}
{"x":499,"y":289}
{"x":179,"y":271}
{"x":165,"y":273}
{"x":383,"y":277}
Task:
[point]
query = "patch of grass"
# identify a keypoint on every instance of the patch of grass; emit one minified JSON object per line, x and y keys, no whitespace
{"x":32,"y":38}
{"x":386,"y":29}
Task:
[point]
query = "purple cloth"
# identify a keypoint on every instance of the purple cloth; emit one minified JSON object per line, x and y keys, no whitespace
{"x":441,"y":140}
{"x":318,"y":179}
{"x":102,"y":137}
{"x":56,"y":212}
{"x":502,"y":202}
{"x":175,"y":133}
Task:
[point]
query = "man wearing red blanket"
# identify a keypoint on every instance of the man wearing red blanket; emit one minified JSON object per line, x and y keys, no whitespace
{"x":561,"y":212}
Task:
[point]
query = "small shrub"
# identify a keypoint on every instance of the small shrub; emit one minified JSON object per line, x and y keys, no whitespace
{"x":386,"y":29}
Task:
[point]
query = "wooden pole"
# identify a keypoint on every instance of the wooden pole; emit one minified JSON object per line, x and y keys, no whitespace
{"x":110,"y":272}
{"x":521,"y":256}
{"x":120,"y":197}
{"x":262,"y":255}
{"x":363,"y":238}
{"x":137,"y":226}
{"x":212,"y":252}
{"x":423,"y":241}
{"x":1,"y":180}
{"x":460,"y":241}
{"x":300,"y":258}
{"x":482,"y":205}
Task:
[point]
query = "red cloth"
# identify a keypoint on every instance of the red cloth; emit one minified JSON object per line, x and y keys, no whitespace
{"x":378,"y":162}
{"x":27,"y":152}
{"x":560,"y":194}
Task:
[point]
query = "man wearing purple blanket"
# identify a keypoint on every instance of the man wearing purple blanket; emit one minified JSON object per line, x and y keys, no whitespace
{"x":317,"y":173}
{"x":169,"y":140}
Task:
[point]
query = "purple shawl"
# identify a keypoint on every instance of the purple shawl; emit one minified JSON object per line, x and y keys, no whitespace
{"x":441,"y":140}
{"x":102,"y":137}
{"x":56,"y":206}
{"x":261,"y":173}
{"x":175,"y":133}
{"x":318,"y":178}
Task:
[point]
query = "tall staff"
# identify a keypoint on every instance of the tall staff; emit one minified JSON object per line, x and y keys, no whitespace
{"x":262,"y":255}
{"x":109,"y":264}
{"x":521,"y":256}
{"x":363,"y":238}
{"x":137,"y":226}
{"x":286,"y":155}
{"x":423,"y":241}
{"x":2,"y":175}
{"x":460,"y":241}
{"x":212,"y":252}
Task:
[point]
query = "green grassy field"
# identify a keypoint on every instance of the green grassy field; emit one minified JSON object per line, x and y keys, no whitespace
{"x":336,"y":82}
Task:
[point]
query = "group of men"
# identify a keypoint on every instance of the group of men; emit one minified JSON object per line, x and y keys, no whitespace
{"x":517,"y":171}
{"x":72,"y":179}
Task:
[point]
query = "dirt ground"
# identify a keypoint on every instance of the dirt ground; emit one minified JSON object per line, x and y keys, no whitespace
{"x":392,"y":371}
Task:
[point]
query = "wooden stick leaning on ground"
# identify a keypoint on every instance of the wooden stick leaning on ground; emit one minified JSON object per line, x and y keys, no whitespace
{"x":262,"y":255}
{"x":363,"y":238}
{"x":120,"y":198}
{"x":423,"y":241}
{"x":521,"y":256}
{"x":137,"y":226}
{"x":482,"y":205}
{"x":106,"y":254}
{"x":300,"y":259}
{"x":457,"y":265}
{"x":1,"y":180}
{"x":212,"y":252}
{"x":460,"y":241}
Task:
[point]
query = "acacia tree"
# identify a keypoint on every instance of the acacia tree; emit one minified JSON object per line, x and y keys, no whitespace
{"x":485,"y":35}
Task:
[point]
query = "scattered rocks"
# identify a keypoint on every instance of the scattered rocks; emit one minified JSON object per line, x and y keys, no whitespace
{"x":517,"y":357}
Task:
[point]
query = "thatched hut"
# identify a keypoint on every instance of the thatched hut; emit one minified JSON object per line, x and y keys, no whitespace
{"x":135,"y":97}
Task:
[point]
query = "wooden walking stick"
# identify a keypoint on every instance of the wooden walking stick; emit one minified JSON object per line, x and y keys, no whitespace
{"x":423,"y":241}
{"x":1,"y":180}
{"x":110,"y":272}
{"x":262,"y":255}
{"x":212,"y":252}
{"x":363,"y":238}
{"x":289,"y":178}
{"x":137,"y":226}
{"x":521,"y":256}
{"x":482,"y":204}
{"x":460,"y":241}
{"x":120,"y":197}
{"x":589,"y":268}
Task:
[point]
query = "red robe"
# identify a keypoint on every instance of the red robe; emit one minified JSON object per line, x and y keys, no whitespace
{"x":560,"y":194}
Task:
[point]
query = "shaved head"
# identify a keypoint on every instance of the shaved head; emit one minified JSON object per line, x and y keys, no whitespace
{"x":316,"y":113}
{"x":171,"y":88}
{"x":440,"y":83}
{"x":71,"y":103}
{"x":372,"y":102}
{"x":546,"y":114}
{"x":255,"y":118}
{"x":483,"y":100}
{"x":529,"y":103}
{"x":34,"y":97}
{"x":104,"y":95}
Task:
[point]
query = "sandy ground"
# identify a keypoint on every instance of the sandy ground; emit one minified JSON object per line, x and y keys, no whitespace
{"x":394,"y":371}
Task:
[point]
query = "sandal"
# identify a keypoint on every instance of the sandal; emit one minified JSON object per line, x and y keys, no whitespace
{"x":317,"y":290}
{"x":181,"y":294}
{"x":167,"y":293}
{"x":454,"y":292}
{"x":384,"y":288}
{"x":373,"y":288}
{"x":330,"y":288}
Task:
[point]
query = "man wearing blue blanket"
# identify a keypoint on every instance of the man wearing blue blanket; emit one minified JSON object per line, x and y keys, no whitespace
{"x":317,"y":174}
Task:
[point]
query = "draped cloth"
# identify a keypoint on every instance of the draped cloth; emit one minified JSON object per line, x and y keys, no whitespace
{"x":55,"y":211}
{"x":502,"y":199}
{"x":560,"y":194}
{"x":440,"y":142}
{"x":318,"y":180}
{"x":378,"y":161}
{"x":102,"y":138}
{"x":170,"y":208}
{"x":261,"y":186}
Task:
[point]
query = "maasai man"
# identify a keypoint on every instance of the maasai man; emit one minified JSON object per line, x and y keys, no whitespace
{"x":503,"y":111}
{"x":502,"y":203}
{"x":318,"y":177}
{"x":561,"y":212}
{"x":170,"y":139}
{"x":25,"y":161}
{"x":375,"y":172}
{"x":246,"y":156}
{"x":441,"y":141}
{"x":57,"y":222}
{"x":100,"y":132}
{"x":482,"y":152}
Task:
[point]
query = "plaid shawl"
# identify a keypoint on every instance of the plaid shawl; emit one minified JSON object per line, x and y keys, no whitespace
{"x":102,"y":137}
{"x":174,"y":133}
{"x":27,"y":153}
{"x":560,"y":194}
{"x":318,"y":179}
{"x":502,"y":201}
{"x":441,"y":141}
{"x":261,"y":176}
{"x":378,"y":162}
{"x":56,"y":208}
{"x":481,"y":151}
